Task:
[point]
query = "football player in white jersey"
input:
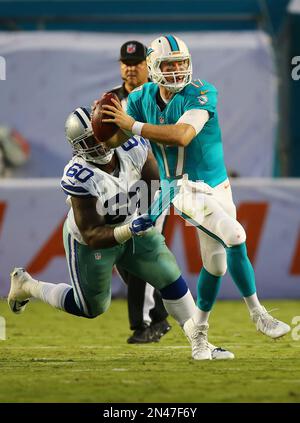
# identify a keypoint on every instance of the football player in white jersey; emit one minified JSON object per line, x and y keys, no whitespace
{"x":103,"y":228}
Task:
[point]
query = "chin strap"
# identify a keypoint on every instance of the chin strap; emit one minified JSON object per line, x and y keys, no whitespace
{"x":105,"y":159}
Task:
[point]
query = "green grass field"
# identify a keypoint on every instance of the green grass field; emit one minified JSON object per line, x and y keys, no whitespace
{"x":50,"y":356}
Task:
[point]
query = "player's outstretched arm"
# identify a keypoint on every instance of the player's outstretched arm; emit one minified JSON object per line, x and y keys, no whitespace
{"x":89,"y":224}
{"x":180,"y":134}
{"x":98,"y":236}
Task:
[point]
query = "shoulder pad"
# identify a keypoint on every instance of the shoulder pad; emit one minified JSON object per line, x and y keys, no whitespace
{"x":140,"y":88}
{"x":77,"y":178}
{"x":116,"y":88}
{"x":199,"y":87}
{"x":143,"y":88}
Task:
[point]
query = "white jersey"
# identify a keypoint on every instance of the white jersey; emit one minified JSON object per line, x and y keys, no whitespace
{"x":117,"y":193}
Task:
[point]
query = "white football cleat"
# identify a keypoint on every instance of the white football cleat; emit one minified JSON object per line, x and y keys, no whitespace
{"x":18,"y":297}
{"x":267,"y":324}
{"x":197,"y":335}
{"x":218,"y":353}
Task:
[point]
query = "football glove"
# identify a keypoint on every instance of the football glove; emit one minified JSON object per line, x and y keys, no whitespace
{"x":137,"y":227}
{"x":141,"y":225}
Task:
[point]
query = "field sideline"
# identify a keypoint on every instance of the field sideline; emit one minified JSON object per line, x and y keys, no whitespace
{"x":53,"y":357}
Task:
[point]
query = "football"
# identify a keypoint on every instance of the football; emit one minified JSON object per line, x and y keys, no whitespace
{"x":103,"y":130}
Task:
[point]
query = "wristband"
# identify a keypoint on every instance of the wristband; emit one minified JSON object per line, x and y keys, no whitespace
{"x":137,"y":128}
{"x":122,"y":233}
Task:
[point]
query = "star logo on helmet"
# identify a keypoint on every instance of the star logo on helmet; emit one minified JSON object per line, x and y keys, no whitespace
{"x":131,"y":48}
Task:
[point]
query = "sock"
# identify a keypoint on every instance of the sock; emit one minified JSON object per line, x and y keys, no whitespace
{"x":70,"y":305}
{"x":252,"y":302}
{"x":55,"y":294}
{"x":50,"y":293}
{"x":175,"y":290}
{"x":200,"y":317}
{"x":207,"y":289}
{"x":178,"y":301}
{"x":181,"y":309}
{"x":241,"y":269}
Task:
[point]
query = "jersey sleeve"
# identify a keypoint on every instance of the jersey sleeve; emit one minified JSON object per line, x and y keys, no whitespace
{"x":138,"y":148}
{"x":197,"y":118}
{"x":78,"y":181}
{"x":134,"y":104}
{"x":202,"y":99}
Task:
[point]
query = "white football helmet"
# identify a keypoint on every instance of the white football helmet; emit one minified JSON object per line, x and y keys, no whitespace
{"x":169,"y":49}
{"x":80,"y":135}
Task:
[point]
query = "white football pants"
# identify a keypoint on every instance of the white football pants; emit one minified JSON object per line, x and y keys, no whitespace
{"x":219,"y":226}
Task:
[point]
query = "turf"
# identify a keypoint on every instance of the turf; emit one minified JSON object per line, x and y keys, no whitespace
{"x":50,"y":356}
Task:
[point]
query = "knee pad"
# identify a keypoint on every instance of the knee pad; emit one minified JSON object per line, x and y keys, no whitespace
{"x":216,"y":263}
{"x":232,"y":232}
{"x":97,"y":309}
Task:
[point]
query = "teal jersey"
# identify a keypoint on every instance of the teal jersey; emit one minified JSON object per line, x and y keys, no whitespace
{"x":203,"y":158}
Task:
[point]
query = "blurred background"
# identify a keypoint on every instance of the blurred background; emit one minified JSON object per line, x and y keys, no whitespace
{"x":58,"y":55}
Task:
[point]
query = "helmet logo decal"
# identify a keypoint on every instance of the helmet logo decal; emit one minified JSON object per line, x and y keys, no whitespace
{"x":149,"y":51}
{"x":131,"y":48}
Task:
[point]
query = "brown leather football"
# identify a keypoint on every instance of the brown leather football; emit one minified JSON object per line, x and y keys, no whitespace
{"x":103,"y":130}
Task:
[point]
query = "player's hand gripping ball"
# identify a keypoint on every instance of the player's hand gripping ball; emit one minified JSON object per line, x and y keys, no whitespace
{"x":103,"y":130}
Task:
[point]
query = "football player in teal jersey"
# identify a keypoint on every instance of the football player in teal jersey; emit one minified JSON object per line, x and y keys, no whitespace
{"x":179,"y":116}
